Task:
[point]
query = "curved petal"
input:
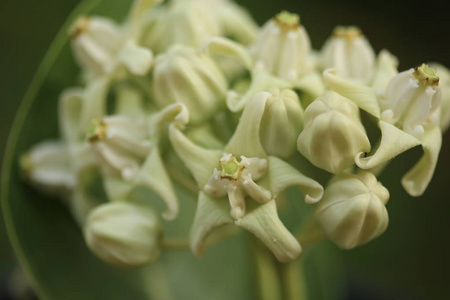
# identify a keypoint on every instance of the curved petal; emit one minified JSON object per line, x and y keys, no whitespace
{"x":69,"y":113}
{"x":363,"y":96}
{"x":224,"y":46}
{"x":211,"y":214}
{"x":262,"y":220}
{"x":261,"y":81}
{"x":312,"y":84}
{"x":283,"y":175}
{"x":393,"y":142}
{"x":153,"y":175}
{"x":246,"y":140}
{"x":417,"y":179}
{"x":137,"y":59}
{"x":200,"y":161}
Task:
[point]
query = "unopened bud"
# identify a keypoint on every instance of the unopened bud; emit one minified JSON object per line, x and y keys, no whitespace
{"x":183,"y":75}
{"x":333,"y":133}
{"x":349,"y":52}
{"x":124,"y":234}
{"x":352,"y":211}
{"x":281,"y":123}
{"x":282,"y":47}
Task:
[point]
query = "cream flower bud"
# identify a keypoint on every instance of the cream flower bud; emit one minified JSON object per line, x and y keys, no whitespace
{"x":349,"y":53}
{"x":352,"y":211}
{"x":47,"y":166}
{"x":333,"y":133}
{"x":121,"y":144}
{"x":444,"y":83}
{"x":187,"y":22}
{"x":281,"y":123}
{"x":282,"y":47}
{"x":124,"y":234}
{"x":412,"y":99}
{"x":183,"y":75}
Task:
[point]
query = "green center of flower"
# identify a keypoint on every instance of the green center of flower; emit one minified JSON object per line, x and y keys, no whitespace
{"x":96,"y":131}
{"x":426,"y":75}
{"x":231,"y":169}
{"x":287,"y":21}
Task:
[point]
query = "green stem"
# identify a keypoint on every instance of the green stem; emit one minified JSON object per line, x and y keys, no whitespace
{"x":276,"y":280}
{"x":294,"y":286}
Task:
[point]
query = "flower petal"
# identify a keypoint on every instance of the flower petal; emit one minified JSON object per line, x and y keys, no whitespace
{"x":245,"y":140}
{"x":200,"y":161}
{"x":393,"y":142}
{"x":211,"y":214}
{"x":417,"y":179}
{"x":137,"y":59}
{"x":262,"y":220}
{"x":153,"y":175}
{"x":363,"y":96}
{"x":224,"y":46}
{"x":283,"y":175}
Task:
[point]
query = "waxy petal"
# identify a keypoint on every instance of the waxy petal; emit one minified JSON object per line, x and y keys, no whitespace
{"x":417,"y":179}
{"x":363,"y":96}
{"x":282,"y":175}
{"x":393,"y":142}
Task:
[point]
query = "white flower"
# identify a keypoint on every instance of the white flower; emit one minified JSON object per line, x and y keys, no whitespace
{"x":412,"y":99}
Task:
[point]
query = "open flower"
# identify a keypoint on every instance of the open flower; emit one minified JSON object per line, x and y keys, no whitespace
{"x":407,"y":107}
{"x":103,"y":48}
{"x":251,"y":181}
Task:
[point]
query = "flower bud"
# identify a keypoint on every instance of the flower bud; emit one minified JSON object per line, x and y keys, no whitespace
{"x":444,"y":83}
{"x":186,"y":22}
{"x":95,"y":43}
{"x":124,"y":234}
{"x":412,"y":99}
{"x":282,"y":47}
{"x":281,"y":123}
{"x":352,"y":211}
{"x":47,"y":166}
{"x":349,"y":52}
{"x":183,"y":75}
{"x":333,"y":133}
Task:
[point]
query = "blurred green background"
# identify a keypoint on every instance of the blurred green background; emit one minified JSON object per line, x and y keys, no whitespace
{"x":411,"y":260}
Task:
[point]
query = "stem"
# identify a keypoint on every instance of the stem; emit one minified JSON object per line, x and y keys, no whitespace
{"x":293,"y":281}
{"x":276,"y":280}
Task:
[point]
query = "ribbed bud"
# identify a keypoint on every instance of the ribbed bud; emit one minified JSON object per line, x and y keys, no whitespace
{"x":282,"y":47}
{"x":124,"y":234}
{"x":352,"y":211}
{"x":349,"y":53}
{"x":47,"y":166}
{"x":186,"y":22}
{"x":281,"y":123}
{"x":333,"y":133}
{"x":412,"y":99}
{"x":184,"y":75}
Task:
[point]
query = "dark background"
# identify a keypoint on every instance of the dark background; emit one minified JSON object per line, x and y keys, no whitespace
{"x":411,"y":260}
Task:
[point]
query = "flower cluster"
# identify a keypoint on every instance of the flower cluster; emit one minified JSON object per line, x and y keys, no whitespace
{"x":193,"y":93}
